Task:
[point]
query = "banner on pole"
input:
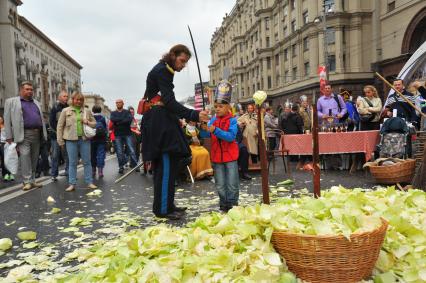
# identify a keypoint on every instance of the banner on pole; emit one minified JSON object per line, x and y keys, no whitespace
{"x":322,"y":73}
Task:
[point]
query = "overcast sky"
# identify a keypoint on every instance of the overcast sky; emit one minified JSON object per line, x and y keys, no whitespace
{"x":118,"y":42}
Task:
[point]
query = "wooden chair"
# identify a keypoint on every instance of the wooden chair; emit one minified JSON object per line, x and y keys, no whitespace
{"x":281,"y":151}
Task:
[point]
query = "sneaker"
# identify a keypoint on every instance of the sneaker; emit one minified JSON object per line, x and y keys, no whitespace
{"x":70,"y":188}
{"x":54,"y":178}
{"x":27,"y":187}
{"x":121,"y":171}
{"x":63,"y":174}
{"x":92,"y":186}
{"x":36,"y":185}
{"x":6,"y":177}
{"x":11,"y":177}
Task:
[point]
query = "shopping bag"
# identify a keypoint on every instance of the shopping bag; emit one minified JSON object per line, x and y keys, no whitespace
{"x":11,"y":159}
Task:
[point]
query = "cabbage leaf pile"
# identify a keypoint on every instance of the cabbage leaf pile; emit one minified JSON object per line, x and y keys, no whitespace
{"x":235,"y":247}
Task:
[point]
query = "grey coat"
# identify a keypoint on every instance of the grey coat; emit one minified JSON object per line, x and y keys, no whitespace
{"x":14,"y":119}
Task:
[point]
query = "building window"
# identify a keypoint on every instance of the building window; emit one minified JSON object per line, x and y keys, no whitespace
{"x":293,"y":25}
{"x":241,"y":61}
{"x":277,"y":59}
{"x":306,"y":44}
{"x":285,"y":31}
{"x":328,"y":4}
{"x":269,"y":82}
{"x":286,"y":54}
{"x":276,"y":37}
{"x":268,"y":63}
{"x":275,"y":19}
{"x":268,"y":42}
{"x":332,"y":63}
{"x":294,"y":73}
{"x":285,"y":11}
{"x":293,"y":4}
{"x":294,"y":50}
{"x":267,"y":23}
{"x":330,"y":36}
{"x":241,"y":47}
{"x":277,"y":80}
{"x":391,"y":6}
{"x":256,"y":36}
{"x":286,"y":76}
{"x":305,"y":17}
{"x":307,"y":69}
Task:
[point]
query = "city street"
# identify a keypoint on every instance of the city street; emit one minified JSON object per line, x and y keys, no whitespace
{"x":126,"y":205}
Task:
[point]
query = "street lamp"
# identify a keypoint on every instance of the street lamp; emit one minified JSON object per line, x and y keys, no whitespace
{"x":327,"y":9}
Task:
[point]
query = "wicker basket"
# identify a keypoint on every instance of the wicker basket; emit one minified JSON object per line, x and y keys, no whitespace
{"x":398,"y":173}
{"x":330,"y":258}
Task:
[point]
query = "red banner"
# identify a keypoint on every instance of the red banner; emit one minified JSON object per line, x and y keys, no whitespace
{"x":322,"y":73}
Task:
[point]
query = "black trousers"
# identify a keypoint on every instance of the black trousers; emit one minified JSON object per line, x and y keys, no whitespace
{"x":165,"y":170}
{"x":243,"y":160}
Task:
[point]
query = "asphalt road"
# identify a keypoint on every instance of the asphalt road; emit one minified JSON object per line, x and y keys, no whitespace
{"x":126,"y":205}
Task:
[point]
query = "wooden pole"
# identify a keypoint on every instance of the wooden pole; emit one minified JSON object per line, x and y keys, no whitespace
{"x":262,"y":153}
{"x":401,"y":95}
{"x":315,"y":150}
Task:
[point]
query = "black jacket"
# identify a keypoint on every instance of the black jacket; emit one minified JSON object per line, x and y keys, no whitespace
{"x":160,"y":81}
{"x":54,"y":117}
{"x":292,"y":124}
{"x":121,"y":121}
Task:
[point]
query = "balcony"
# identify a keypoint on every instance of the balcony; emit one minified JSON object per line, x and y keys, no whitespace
{"x":19,"y":44}
{"x":20,"y":60}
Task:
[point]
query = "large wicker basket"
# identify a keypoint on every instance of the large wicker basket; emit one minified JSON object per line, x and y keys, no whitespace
{"x":401,"y":172}
{"x":330,"y":258}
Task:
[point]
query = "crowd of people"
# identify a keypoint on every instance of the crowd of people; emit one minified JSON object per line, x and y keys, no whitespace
{"x":170,"y":136}
{"x":72,"y":133}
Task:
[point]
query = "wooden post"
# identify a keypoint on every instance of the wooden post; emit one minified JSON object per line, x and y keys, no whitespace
{"x":315,"y":150}
{"x":262,"y":153}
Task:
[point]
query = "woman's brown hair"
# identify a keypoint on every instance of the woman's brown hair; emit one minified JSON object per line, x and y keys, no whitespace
{"x":174,"y":52}
{"x":76,"y":95}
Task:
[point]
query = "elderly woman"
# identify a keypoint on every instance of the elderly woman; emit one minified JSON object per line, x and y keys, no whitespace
{"x":70,"y":131}
{"x":369,"y":108}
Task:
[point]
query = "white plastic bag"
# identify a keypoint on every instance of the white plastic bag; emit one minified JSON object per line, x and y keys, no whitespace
{"x":11,"y":159}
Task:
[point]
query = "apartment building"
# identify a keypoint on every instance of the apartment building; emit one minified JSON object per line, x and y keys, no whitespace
{"x":277,"y":45}
{"x":27,"y":54}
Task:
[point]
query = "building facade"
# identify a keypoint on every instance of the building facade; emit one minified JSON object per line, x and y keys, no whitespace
{"x":27,"y":54}
{"x":92,"y":99}
{"x":277,"y":45}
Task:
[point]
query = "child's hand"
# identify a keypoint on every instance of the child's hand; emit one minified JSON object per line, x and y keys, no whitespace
{"x":212,"y":128}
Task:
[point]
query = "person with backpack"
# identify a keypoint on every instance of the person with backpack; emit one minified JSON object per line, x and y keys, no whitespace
{"x":98,"y":142}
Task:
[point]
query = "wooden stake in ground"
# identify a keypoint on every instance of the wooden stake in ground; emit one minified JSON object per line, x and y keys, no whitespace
{"x":315,"y":150}
{"x":262,"y":153}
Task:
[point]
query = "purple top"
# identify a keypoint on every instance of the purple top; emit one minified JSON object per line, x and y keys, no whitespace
{"x":31,"y":114}
{"x":325,"y":103}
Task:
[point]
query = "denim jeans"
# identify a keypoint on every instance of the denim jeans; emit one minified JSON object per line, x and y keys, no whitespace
{"x":120,"y":141}
{"x":227,"y":183}
{"x":98,"y":154}
{"x":73,"y":148}
{"x":56,"y":154}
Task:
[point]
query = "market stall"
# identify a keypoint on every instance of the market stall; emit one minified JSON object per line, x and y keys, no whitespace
{"x":334,"y":143}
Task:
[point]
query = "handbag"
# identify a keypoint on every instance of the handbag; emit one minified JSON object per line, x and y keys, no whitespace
{"x":367,"y":117}
{"x":89,"y":132}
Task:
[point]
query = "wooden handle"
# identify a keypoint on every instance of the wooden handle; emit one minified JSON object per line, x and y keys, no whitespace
{"x":401,"y":95}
